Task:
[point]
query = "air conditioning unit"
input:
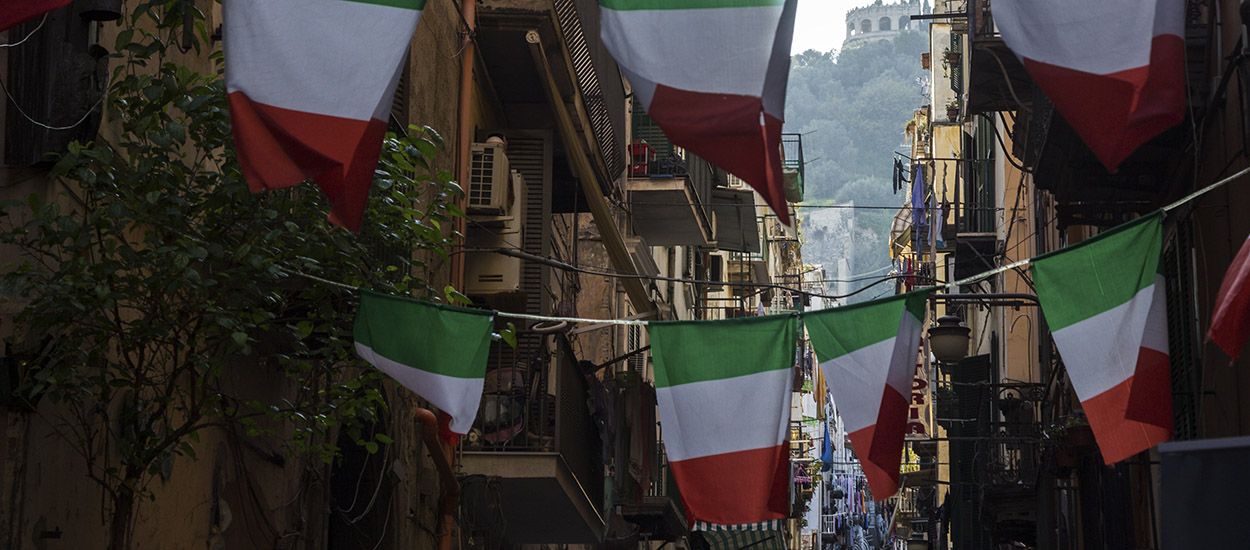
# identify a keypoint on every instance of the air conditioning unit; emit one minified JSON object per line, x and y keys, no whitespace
{"x":492,"y":273}
{"x":488,"y":178}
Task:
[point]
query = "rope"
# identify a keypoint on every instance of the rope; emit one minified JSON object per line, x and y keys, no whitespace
{"x":953,"y":286}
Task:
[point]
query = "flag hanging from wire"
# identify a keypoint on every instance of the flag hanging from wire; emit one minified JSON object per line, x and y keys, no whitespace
{"x":310,"y":84}
{"x":712,"y":74}
{"x":1105,"y":302}
{"x":723,"y":389}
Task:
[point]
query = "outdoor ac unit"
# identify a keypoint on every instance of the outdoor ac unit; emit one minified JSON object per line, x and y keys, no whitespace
{"x":490,"y":273}
{"x":488,"y":179}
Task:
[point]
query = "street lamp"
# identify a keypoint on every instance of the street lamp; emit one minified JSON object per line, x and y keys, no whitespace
{"x":949,"y":339}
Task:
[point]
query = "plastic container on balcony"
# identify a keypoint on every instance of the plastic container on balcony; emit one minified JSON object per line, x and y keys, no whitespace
{"x":793,"y":183}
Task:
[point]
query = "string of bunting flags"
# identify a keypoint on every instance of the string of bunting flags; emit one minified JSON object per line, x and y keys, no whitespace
{"x":723,"y":386}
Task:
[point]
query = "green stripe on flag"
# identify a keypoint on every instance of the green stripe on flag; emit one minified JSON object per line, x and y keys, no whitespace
{"x":406,"y":4}
{"x":839,"y":331}
{"x":637,"y":5}
{"x":1074,"y":284}
{"x":699,"y":351}
{"x":435,"y":338}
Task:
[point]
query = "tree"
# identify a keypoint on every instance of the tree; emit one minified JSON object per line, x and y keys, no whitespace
{"x":152,"y":273}
{"x":852,"y":108}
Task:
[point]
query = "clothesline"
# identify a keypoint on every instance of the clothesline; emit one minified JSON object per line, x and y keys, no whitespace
{"x":637,"y":322}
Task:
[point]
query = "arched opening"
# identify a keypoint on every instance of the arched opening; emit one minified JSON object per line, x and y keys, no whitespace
{"x":904,"y":22}
{"x":865,"y":26}
{"x":850,"y":29}
{"x":883,"y":24}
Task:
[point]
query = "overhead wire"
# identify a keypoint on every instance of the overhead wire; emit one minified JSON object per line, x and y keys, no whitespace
{"x":28,"y":35}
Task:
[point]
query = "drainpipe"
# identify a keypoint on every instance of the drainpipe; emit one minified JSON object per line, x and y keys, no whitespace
{"x":441,"y":451}
{"x":579,"y":158}
{"x":464,"y":127}
{"x":443,"y":458}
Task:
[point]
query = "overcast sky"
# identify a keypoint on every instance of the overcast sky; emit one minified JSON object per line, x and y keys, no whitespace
{"x":821,"y":24}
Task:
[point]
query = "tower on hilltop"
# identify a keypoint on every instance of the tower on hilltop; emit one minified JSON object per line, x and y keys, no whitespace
{"x":880,"y":21}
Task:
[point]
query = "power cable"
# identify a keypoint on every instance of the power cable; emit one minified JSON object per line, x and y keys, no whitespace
{"x":28,"y":35}
{"x":81,"y":120}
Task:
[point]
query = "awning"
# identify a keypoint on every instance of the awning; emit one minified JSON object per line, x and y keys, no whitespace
{"x":769,"y":535}
{"x":736,"y":228}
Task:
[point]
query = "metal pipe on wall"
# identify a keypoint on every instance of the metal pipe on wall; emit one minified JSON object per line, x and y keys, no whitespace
{"x":446,"y":459}
{"x":464,"y":127}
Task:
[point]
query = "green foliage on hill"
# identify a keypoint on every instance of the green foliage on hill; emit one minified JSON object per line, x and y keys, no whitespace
{"x":852,"y":107}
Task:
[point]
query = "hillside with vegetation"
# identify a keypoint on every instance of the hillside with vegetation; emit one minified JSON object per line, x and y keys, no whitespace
{"x":852,"y":107}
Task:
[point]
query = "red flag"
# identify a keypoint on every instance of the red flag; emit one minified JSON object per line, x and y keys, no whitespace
{"x":1230,"y":324}
{"x":13,"y":12}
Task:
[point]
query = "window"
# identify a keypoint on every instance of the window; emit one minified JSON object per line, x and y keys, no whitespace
{"x":904,"y":22}
{"x":883,"y":24}
{"x":865,"y":26}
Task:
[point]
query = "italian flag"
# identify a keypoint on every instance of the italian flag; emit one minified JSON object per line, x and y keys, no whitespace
{"x":723,"y":389}
{"x":868,"y":354}
{"x":310,"y":84}
{"x":439,"y":352}
{"x":1115,"y":69}
{"x":1104,"y":300}
{"x":712,"y":74}
{"x":1230,"y":323}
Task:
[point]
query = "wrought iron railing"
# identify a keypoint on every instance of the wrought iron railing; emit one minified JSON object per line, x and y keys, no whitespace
{"x":517,"y":412}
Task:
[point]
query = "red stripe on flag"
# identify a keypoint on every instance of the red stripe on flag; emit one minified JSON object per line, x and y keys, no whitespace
{"x":884,"y":444}
{"x":1230,"y":324}
{"x":19,"y":11}
{"x":1116,"y":113}
{"x":732,"y":488}
{"x":726,"y":130}
{"x":279,"y":148}
{"x":1136,"y":414}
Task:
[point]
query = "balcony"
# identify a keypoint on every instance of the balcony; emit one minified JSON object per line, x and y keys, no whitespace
{"x":997,"y":79}
{"x":748,"y":268}
{"x":670,"y":190}
{"x":536,"y":437}
{"x":736,"y":225}
{"x":667,"y":206}
{"x":792,"y":164}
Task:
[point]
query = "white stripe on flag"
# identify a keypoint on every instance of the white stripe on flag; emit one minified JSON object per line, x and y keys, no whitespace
{"x":1103,"y":37}
{"x":1101,"y":351}
{"x":278,"y":53}
{"x":711,"y":35}
{"x":725,"y":416}
{"x":458,"y":397}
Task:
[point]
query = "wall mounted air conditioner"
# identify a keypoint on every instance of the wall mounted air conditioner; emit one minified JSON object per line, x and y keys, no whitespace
{"x":488,"y":178}
{"x":488,"y":272}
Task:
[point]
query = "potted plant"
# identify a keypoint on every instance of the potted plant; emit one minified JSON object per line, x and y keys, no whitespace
{"x":952,"y":109}
{"x":950,"y":58}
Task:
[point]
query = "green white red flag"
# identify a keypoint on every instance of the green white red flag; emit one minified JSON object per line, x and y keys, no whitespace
{"x":724,"y":389}
{"x":1230,"y":324}
{"x":1115,"y":69}
{"x":310,"y":84}
{"x":438,"y":352}
{"x":712,"y":74}
{"x":15,"y":12}
{"x":867,"y":353}
{"x":1105,"y":302}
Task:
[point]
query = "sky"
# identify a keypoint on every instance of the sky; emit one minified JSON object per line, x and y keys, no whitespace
{"x":821,"y":24}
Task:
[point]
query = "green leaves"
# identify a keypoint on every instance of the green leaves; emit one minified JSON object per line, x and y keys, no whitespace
{"x":157,"y":264}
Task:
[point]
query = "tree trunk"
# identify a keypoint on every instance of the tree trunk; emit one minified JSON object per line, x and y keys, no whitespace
{"x":123,"y":514}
